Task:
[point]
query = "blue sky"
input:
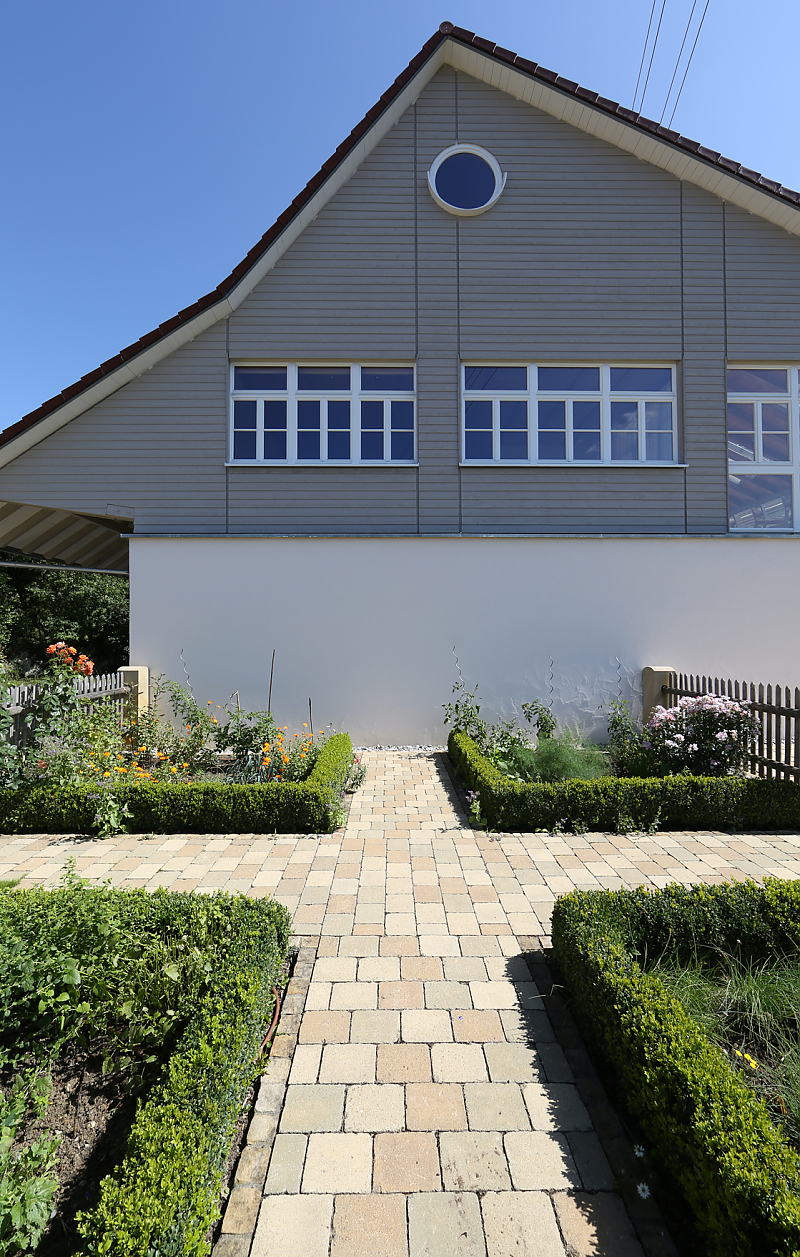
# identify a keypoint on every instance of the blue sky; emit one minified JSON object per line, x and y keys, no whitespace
{"x":145,"y":148}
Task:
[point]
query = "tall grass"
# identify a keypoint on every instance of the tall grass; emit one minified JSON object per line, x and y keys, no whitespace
{"x":560,"y":758}
{"x":751,"y":1010}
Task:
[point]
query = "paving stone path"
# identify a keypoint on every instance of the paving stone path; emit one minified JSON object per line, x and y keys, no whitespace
{"x":420,"y":1102}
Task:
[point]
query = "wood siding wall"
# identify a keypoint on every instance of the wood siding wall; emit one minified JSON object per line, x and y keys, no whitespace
{"x":589,"y":254}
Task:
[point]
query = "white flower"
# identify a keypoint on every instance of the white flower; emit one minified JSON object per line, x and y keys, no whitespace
{"x":643,"y":1190}
{"x":638,"y":1150}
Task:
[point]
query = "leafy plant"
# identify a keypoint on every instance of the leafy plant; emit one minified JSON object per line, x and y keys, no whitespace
{"x":261,"y":750}
{"x":499,"y":740}
{"x":560,"y":758}
{"x":708,"y":735}
{"x":356,"y":776}
{"x":111,"y":814}
{"x":27,"y":1182}
{"x":537,"y":713}
{"x":628,"y":751}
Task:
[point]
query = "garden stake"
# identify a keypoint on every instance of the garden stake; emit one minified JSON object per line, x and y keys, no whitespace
{"x":310,"y":721}
{"x":271,"y":670}
{"x":275,"y":1017}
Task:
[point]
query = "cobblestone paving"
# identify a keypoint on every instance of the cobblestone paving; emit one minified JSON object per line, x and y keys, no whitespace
{"x":428,"y":1107}
{"x":406,"y":864}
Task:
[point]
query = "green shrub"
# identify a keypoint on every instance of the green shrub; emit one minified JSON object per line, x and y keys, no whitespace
{"x":308,"y":806}
{"x":144,"y":971}
{"x":164,"y":1196}
{"x":706,"y":1127}
{"x":625,"y":803}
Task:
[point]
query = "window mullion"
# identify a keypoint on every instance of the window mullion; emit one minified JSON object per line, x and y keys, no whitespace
{"x":533,"y":417}
{"x":758,"y":452}
{"x":496,"y":429}
{"x":260,"y":429}
{"x":794,"y":445}
{"x":568,"y":421}
{"x":291,"y":413}
{"x":605,"y":414}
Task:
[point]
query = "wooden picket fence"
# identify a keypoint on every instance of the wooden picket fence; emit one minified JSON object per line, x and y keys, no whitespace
{"x":108,"y":687}
{"x":777,"y":748}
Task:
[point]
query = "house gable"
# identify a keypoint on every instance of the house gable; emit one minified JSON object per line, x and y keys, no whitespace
{"x":486,"y":62}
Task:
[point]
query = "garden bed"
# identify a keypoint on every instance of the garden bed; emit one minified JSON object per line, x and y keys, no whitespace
{"x":133,"y":1025}
{"x":707,"y":1131}
{"x":623,"y":804}
{"x":165,"y":807}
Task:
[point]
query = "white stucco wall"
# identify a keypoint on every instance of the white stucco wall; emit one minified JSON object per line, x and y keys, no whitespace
{"x":366,"y":626}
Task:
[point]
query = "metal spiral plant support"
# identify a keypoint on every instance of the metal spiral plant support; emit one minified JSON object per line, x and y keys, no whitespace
{"x":619,"y":678}
{"x":186,"y":670}
{"x":550,"y":682}
{"x":458,"y":665}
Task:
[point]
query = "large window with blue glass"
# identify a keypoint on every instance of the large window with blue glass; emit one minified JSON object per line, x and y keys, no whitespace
{"x":763,"y":447}
{"x":297,"y":413}
{"x":579,"y":413}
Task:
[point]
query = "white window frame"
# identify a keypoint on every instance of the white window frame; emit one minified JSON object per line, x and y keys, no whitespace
{"x":759,"y":466}
{"x":491,"y":161}
{"x":291,"y":395}
{"x":533,"y":394}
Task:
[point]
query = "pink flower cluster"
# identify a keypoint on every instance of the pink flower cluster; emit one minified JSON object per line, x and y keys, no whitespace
{"x":707,"y":735}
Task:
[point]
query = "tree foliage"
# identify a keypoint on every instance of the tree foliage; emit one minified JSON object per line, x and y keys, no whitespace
{"x":87,"y":610}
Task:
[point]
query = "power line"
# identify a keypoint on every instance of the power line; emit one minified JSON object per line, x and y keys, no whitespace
{"x":689,"y":62}
{"x":644,"y":51}
{"x":677,"y":63}
{"x":652,"y":54}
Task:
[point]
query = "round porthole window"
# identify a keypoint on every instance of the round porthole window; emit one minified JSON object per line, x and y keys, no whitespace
{"x":465,"y":179}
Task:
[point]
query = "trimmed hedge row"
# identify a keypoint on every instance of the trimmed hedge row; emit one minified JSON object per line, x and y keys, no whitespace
{"x":613,"y":803}
{"x":738,"y":1174}
{"x":165,"y":1195}
{"x":206,"y":808}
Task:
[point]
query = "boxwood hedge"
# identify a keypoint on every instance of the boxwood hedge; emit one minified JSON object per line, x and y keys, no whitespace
{"x":613,"y":803}
{"x":205,"y":808}
{"x":165,"y":1195}
{"x":713,"y":1135}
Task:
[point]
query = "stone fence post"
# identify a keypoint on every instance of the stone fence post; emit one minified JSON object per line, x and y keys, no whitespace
{"x":652,"y":681}
{"x":138,"y":678}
